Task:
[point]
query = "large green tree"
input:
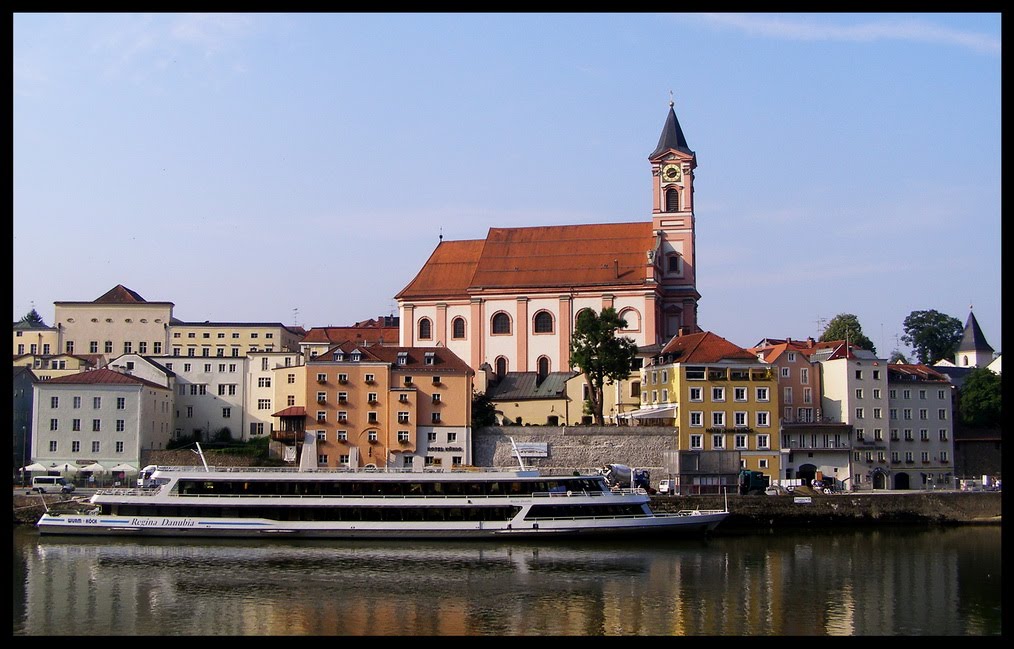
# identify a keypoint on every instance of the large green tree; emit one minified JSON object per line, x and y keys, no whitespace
{"x":932,"y":335}
{"x":846,"y":326}
{"x":979,"y":398}
{"x":600,"y":354}
{"x":483,"y":410}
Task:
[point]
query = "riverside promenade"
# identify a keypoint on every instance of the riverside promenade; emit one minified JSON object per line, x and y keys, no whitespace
{"x":804,"y":508}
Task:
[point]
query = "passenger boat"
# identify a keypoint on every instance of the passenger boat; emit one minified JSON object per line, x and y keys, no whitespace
{"x":371,"y":503}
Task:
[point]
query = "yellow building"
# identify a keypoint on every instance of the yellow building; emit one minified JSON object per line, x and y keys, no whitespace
{"x":232,"y":339}
{"x":723,"y":402}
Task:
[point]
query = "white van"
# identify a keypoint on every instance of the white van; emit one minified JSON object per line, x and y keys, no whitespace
{"x":665,"y":486}
{"x":51,"y":483}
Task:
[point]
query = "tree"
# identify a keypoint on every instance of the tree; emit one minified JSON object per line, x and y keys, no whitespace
{"x":897,"y":357}
{"x":845,"y":326}
{"x":483,"y":410}
{"x":600,"y":354}
{"x":932,"y":335}
{"x":33,"y":317}
{"x":979,"y":398}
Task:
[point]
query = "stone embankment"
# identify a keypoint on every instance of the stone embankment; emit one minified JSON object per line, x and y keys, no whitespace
{"x":750,"y":513}
{"x":809,"y":509}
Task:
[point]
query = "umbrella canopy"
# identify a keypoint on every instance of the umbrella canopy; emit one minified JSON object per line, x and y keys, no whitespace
{"x":66,"y":467}
{"x":94,"y":467}
{"x":35,"y":467}
{"x":124,"y":467}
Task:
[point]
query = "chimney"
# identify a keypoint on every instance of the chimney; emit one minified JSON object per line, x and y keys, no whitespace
{"x":788,"y":340}
{"x":809,"y":342}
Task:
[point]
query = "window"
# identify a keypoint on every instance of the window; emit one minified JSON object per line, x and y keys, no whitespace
{"x":264,"y":404}
{"x":96,"y":402}
{"x":739,"y":419}
{"x":368,"y":378}
{"x":892,"y":394}
{"x":908,"y":434}
{"x":322,"y":415}
{"x":906,"y":394}
{"x":403,"y":398}
{"x":264,"y":382}
{"x":402,"y":417}
{"x":342,"y":435}
{"x":54,"y":424}
{"x":908,"y":457}
{"x":672,"y":204}
{"x":402,"y":435}
{"x":718,"y":418}
{"x":95,"y":447}
{"x":290,"y":378}
{"x":256,"y":428}
{"x":739,"y":394}
{"x":435,"y":418}
{"x":75,"y":424}
{"x":543,"y":323}
{"x":108,"y":347}
{"x":877,"y":413}
{"x":906,"y":413}
{"x":787,"y":394}
{"x":54,"y":402}
{"x":924,"y":434}
{"x":878,"y":434}
{"x":697,"y":442}
{"x":895,"y":457}
{"x":371,"y":417}
{"x":77,"y":402}
{"x":763,"y":419}
{"x":943,"y":457}
{"x":807,"y":395}
{"x":458,"y":328}
{"x":321,"y":435}
{"x":696,"y":419}
{"x":718,"y":394}
{"x":718,"y":442}
{"x":762,"y":394}
{"x":943,"y":434}
{"x":436,"y":398}
{"x":859,"y":413}
{"x":923,"y":413}
{"x":290,"y":400}
{"x":942,"y":413}
{"x":922,"y":394}
{"x":876,"y":393}
{"x":876,"y":375}
{"x":425,"y":329}
{"x":940,"y":394}
{"x":96,"y":425}
{"x":121,"y":403}
{"x":859,"y":375}
{"x":343,"y":416}
{"x":804,"y":375}
{"x":740,"y":441}
{"x":784,"y":372}
{"x":371,"y":397}
{"x":859,"y":393}
{"x":120,"y":425}
{"x":894,"y":434}
{"x":372,"y":436}
{"x":501,"y":324}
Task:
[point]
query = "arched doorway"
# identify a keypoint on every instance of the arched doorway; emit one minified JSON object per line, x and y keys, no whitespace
{"x":879,"y":478}
{"x":902,"y":481}
{"x":806,"y":473}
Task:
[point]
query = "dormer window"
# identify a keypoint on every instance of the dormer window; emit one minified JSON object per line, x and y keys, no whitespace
{"x":356,"y":357}
{"x":402,"y":358}
{"x":339,"y":356}
{"x":430,"y":358}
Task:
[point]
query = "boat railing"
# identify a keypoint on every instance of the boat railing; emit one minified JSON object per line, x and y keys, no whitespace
{"x":338,"y":470}
{"x":139,"y":491}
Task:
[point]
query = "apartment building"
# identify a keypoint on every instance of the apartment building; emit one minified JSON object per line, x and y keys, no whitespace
{"x":102,"y":416}
{"x":383,"y":407}
{"x":231,"y":339}
{"x":265,"y":371}
{"x":921,"y":428}
{"x":209,"y":401}
{"x":722,"y":400}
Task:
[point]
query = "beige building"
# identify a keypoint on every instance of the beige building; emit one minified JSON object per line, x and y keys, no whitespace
{"x":118,"y":322}
{"x":49,"y":367}
{"x":231,"y":339}
{"x":35,"y":339}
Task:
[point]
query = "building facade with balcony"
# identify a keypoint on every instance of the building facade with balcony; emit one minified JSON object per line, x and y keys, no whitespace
{"x":383,"y":406}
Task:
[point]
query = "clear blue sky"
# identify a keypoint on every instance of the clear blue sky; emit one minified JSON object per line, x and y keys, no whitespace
{"x":244,"y":166}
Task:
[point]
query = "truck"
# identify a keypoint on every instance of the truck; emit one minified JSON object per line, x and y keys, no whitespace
{"x":752,"y":482}
{"x":621,"y":476}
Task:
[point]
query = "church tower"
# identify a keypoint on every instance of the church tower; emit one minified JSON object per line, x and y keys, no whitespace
{"x":672,"y":172}
{"x":973,"y":350}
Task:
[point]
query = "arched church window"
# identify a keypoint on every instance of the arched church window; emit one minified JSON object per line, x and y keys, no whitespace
{"x":674,"y":263}
{"x":501,"y":367}
{"x":672,"y":200}
{"x":425,"y":329}
{"x":458,"y":328}
{"x":543,"y":368}
{"x":501,"y":324}
{"x":543,"y":322}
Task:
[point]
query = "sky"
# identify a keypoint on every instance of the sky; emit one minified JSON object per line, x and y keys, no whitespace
{"x":301,"y":168}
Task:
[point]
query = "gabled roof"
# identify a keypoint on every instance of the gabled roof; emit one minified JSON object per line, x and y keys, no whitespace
{"x":972,"y":340}
{"x":102,"y":377}
{"x":704,"y":347}
{"x":544,"y":257}
{"x":522,"y":386}
{"x":27,"y":325}
{"x":291,"y":411}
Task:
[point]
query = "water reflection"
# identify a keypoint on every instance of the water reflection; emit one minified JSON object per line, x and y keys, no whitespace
{"x":928,"y":582}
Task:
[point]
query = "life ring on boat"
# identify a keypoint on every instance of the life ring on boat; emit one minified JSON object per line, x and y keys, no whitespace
{"x":569,"y":493}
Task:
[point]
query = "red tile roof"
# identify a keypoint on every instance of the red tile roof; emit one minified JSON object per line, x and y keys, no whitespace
{"x":704,"y":347}
{"x":444,"y":360}
{"x":103,"y":377}
{"x":291,"y":411}
{"x":904,"y":371}
{"x":372,"y":334}
{"x":549,"y":257}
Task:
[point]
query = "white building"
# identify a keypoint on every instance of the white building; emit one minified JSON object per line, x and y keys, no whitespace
{"x":99,"y":416}
{"x":921,"y":427}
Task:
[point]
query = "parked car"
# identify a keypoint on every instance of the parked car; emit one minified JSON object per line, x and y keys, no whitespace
{"x":51,"y":484}
{"x":665,"y":486}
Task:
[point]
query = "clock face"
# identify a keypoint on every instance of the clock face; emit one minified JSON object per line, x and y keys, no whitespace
{"x":671,"y":173}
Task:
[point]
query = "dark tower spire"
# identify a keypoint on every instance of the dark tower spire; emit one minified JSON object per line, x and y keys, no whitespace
{"x":672,"y":135}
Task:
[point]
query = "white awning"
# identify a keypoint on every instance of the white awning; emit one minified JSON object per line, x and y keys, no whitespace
{"x":658,"y":412}
{"x":126,"y":468}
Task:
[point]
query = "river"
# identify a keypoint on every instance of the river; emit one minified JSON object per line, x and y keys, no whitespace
{"x":856,"y":582}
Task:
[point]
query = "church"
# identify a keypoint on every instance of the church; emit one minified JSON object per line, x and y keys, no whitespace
{"x":510,"y":302}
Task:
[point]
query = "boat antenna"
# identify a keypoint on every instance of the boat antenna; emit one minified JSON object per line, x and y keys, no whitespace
{"x":201,"y":453}
{"x":517,"y":453}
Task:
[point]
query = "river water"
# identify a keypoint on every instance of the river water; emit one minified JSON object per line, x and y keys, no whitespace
{"x":855,"y":582}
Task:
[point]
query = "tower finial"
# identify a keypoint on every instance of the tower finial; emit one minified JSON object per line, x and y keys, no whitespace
{"x":671,"y":102}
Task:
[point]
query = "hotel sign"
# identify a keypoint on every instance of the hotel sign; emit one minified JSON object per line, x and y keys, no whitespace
{"x":532,"y":449}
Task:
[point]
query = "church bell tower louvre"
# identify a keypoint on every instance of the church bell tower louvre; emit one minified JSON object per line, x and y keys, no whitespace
{"x":672,"y":171}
